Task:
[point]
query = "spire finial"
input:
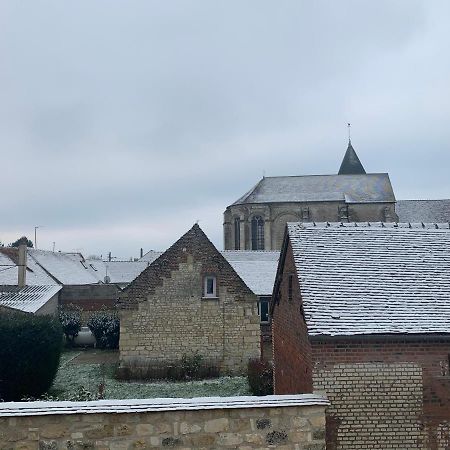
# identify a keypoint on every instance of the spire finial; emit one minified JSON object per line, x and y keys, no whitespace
{"x":349,"y":135}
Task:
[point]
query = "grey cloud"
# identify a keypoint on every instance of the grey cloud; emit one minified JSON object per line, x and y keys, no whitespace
{"x":155,"y":112}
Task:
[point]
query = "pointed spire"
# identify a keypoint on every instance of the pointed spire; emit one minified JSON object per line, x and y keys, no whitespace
{"x":351,"y":165}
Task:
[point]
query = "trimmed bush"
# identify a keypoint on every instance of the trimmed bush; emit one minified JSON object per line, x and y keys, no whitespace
{"x":70,"y":318}
{"x":260,"y":377}
{"x":30,"y":348}
{"x":105,"y":326}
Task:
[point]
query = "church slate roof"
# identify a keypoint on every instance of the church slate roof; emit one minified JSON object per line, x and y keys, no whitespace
{"x":358,"y":279}
{"x":355,"y":188}
{"x":423,"y":210}
{"x":351,"y":163}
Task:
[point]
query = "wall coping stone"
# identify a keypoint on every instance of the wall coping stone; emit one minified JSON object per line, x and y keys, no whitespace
{"x":44,"y":408}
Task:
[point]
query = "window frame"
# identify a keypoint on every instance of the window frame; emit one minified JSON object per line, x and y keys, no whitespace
{"x":257,"y":232}
{"x":264,"y":299}
{"x":237,"y":233}
{"x":205,"y":286}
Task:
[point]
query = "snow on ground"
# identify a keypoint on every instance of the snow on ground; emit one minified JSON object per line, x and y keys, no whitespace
{"x":72,"y":376}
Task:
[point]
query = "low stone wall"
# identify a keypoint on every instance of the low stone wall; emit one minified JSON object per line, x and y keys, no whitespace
{"x":282,"y":422}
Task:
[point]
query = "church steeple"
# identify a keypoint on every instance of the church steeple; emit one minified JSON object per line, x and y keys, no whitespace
{"x":351,"y":165}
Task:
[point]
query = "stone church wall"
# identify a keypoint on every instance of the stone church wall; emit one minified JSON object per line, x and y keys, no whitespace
{"x":276,"y":215}
{"x":176,"y":319}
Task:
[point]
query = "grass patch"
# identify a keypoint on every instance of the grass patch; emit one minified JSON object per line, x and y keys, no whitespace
{"x":72,"y":376}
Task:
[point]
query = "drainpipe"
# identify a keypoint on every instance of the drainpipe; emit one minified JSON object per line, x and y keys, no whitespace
{"x":22,"y":275}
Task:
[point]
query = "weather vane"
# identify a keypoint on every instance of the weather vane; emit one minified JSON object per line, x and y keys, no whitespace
{"x":349,"y":136}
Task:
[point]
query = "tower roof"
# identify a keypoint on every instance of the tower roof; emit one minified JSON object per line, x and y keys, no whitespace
{"x":351,"y":165}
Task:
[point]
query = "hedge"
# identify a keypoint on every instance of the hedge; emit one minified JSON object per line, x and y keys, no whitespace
{"x":30,"y":349}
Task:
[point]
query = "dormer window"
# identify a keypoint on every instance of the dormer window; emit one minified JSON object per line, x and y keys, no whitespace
{"x":210,"y":286}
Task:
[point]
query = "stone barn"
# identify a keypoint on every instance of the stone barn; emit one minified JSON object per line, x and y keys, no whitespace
{"x":362,"y":312}
{"x":189,"y":300}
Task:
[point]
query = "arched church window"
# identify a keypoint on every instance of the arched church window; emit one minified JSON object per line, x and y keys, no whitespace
{"x":237,"y":233}
{"x":257,"y":233}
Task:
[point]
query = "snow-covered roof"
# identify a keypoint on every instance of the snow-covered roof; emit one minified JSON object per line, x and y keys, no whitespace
{"x":356,"y":188}
{"x":27,"y":299}
{"x":66,"y":268}
{"x":423,"y":210}
{"x":119,"y":272}
{"x":40,"y":408}
{"x":36,"y":275}
{"x":256,"y":268}
{"x":373,"y":278}
{"x":151,"y":255}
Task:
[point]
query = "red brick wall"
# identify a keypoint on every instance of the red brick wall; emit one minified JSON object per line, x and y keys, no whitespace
{"x":291,"y":347}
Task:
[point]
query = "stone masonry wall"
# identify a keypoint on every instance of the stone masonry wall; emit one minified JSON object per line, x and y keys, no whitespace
{"x":164,"y":312}
{"x":276,"y":215}
{"x":176,"y":320}
{"x":245,"y":427}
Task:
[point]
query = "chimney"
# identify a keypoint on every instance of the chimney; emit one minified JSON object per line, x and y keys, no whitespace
{"x":22,"y":278}
{"x":142,"y":252}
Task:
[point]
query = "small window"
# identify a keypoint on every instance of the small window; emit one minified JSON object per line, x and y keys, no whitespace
{"x":290,"y":286}
{"x":210,"y":286}
{"x":237,"y":233}
{"x":263,"y":309}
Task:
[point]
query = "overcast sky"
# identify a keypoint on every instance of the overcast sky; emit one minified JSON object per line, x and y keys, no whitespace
{"x":124,"y":122}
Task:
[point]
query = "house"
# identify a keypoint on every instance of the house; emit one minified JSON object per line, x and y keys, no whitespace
{"x":190,"y":299}
{"x":78,"y":282}
{"x":362,"y":312}
{"x":257,"y":220}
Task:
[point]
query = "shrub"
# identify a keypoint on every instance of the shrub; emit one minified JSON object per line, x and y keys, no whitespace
{"x":70,"y":318}
{"x":30,"y":348}
{"x":260,"y":377}
{"x":105,"y":326}
{"x":191,"y":365}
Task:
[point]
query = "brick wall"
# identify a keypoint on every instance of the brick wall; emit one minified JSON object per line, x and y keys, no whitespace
{"x":291,"y":347}
{"x":408,"y":371}
{"x":164,"y":313}
{"x":238,"y":422}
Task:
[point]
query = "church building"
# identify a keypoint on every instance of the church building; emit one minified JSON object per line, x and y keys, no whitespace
{"x":257,"y":220}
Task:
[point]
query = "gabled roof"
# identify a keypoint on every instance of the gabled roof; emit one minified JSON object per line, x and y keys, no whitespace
{"x":119,"y":272}
{"x":256,"y":268}
{"x":36,"y":275}
{"x":65,"y":268}
{"x":423,"y":210}
{"x":27,"y":299}
{"x":196,"y":244}
{"x":355,"y":188}
{"x":359,"y":279}
{"x":150,"y":256}
{"x":351,"y":164}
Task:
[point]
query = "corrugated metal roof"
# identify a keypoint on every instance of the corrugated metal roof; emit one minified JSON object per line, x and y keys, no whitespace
{"x":373,"y":278}
{"x":27,"y":299}
{"x":360,"y":188}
